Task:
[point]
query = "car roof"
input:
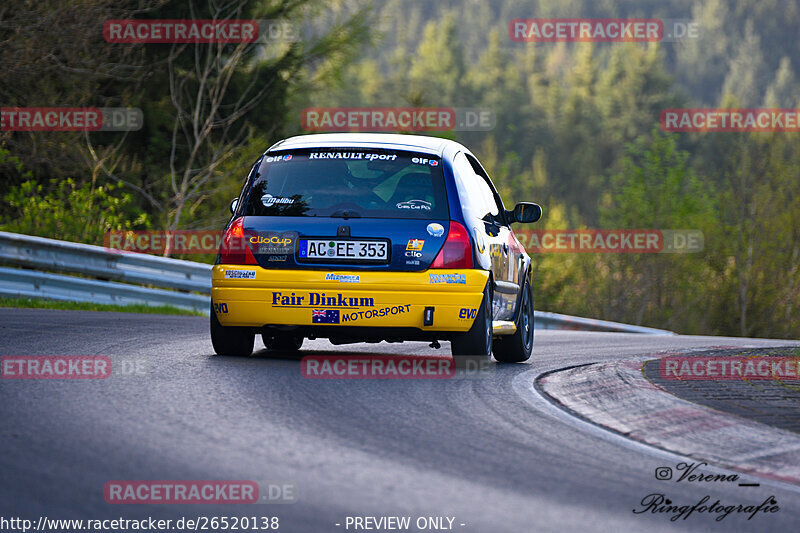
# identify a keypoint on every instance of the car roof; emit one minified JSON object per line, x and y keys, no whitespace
{"x":370,"y":140}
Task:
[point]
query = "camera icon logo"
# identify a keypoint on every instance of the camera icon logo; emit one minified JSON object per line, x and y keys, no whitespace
{"x":663,"y":473}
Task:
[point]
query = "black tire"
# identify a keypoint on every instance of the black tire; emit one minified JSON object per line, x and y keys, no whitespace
{"x":476,"y":345}
{"x":231,"y":340}
{"x":518,"y":347}
{"x":282,"y":342}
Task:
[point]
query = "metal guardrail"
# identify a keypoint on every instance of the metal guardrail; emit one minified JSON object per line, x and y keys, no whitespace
{"x":20,"y":283}
{"x":546,"y":320}
{"x":112,"y":266}
{"x":109,"y":266}
{"x":100,"y":262}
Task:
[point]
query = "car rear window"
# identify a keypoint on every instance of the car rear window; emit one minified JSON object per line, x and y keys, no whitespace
{"x":349,"y":183}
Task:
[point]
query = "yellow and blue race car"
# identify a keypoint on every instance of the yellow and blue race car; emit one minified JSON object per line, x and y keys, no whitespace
{"x":372,"y":237}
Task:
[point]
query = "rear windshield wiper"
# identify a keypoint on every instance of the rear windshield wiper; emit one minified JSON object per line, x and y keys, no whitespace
{"x":345,"y":213}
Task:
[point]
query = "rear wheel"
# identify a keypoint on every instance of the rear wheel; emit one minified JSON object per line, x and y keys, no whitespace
{"x":476,"y":344}
{"x":230,"y":340}
{"x":282,"y":342}
{"x":517,"y":348}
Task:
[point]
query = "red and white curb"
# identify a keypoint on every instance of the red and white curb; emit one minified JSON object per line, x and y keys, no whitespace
{"x":616,"y":395}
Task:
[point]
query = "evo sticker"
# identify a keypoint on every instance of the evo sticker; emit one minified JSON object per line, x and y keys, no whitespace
{"x":240,"y":274}
{"x":465,"y":313}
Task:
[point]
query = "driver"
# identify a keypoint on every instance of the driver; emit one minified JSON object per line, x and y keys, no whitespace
{"x":332,"y":185}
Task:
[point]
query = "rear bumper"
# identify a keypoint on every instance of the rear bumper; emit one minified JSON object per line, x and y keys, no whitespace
{"x":245,"y":295}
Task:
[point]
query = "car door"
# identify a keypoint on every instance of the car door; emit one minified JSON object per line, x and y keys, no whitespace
{"x":484,"y":211}
{"x":507,"y":286}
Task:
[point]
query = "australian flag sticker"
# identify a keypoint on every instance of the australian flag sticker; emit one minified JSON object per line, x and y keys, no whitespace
{"x":324,"y":316}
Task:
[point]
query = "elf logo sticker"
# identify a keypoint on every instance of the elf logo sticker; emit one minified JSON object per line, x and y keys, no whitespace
{"x":425,"y":161}
{"x":277,"y":158}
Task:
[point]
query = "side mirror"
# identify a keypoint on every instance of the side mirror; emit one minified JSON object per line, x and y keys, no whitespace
{"x":525,"y":213}
{"x":234,"y":203}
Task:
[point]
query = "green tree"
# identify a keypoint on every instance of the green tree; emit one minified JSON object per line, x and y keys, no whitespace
{"x":67,"y":211}
{"x":656,"y":189}
{"x":437,"y":69}
{"x":759,"y":235}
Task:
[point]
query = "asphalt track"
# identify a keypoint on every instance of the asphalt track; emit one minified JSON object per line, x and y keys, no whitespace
{"x":488,"y":450}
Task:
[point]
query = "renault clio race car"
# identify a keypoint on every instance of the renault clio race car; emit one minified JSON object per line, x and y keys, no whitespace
{"x":371,"y":237}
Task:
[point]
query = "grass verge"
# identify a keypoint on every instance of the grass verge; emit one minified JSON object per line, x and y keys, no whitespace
{"x":88,"y":306}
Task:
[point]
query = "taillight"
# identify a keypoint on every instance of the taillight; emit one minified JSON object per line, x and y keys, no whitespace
{"x":456,"y":251}
{"x":234,"y":249}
